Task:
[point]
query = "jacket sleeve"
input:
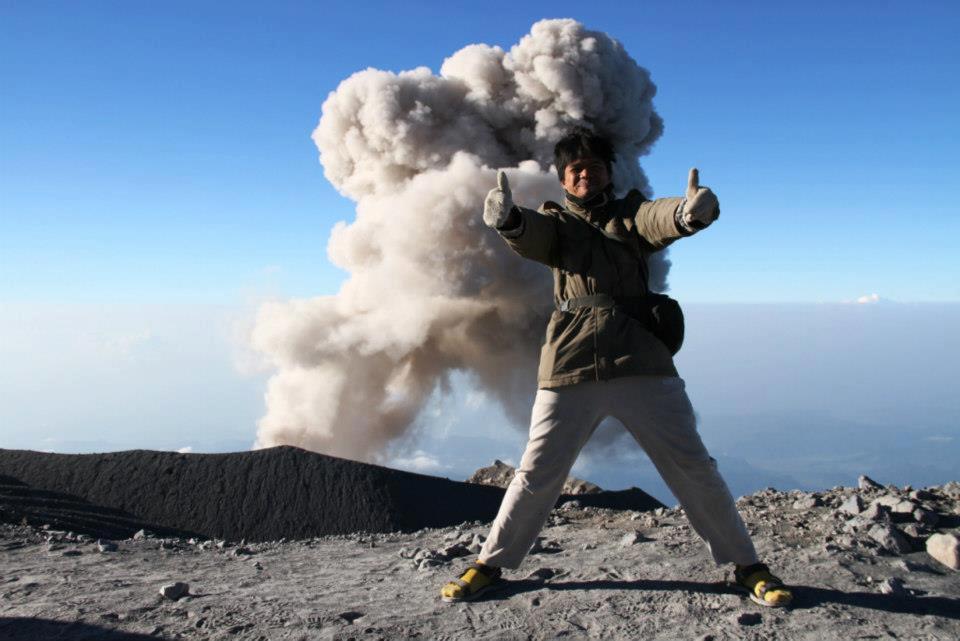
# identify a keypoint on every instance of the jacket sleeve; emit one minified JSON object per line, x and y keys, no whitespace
{"x":657,"y":223}
{"x":535,"y":238}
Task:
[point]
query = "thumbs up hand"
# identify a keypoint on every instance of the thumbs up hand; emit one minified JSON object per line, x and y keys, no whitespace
{"x":499,"y":202}
{"x":700,"y":206}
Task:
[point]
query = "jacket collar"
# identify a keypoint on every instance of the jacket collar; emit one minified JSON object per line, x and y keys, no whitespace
{"x":585,"y":206}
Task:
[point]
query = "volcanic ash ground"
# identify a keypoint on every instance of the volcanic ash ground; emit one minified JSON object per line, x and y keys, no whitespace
{"x":871,"y":562}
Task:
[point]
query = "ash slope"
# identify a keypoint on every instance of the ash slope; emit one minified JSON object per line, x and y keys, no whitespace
{"x":597,"y":574}
{"x":262,"y":495}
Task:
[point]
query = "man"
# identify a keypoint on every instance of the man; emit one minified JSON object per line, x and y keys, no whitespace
{"x":600,"y":358}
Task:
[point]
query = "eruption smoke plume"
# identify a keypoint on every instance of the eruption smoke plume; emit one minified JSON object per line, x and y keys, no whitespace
{"x":431,"y":289}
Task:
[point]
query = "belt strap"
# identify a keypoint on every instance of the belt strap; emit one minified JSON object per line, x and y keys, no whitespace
{"x":596,"y":300}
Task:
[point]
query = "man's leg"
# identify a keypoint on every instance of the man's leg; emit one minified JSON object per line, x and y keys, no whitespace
{"x":659,"y":415}
{"x":561,"y":422}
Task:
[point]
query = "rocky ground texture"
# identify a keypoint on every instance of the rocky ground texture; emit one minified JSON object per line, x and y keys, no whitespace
{"x":871,"y":562}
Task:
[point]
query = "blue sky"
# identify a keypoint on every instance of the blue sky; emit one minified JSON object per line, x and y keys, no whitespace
{"x":155,"y":158}
{"x":161,"y":152}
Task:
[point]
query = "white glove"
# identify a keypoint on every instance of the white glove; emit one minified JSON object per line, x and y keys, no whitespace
{"x":700,"y":207}
{"x":497,"y":206}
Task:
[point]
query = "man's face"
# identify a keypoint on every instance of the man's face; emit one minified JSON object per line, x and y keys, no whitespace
{"x":585,"y":177}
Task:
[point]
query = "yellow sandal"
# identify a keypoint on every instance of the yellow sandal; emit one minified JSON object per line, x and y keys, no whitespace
{"x":763,"y":587}
{"x":474,"y":581}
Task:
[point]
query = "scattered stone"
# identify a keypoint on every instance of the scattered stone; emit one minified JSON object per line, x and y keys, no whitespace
{"x":106,"y":546}
{"x":174,"y":591}
{"x":853,"y":505}
{"x":867,"y":483}
{"x":927,"y":517}
{"x":945,"y":548}
{"x":807,"y":503}
{"x":572,"y":504}
{"x":544,"y":546}
{"x":476,"y":543}
{"x":748,"y":618}
{"x":897,"y":505}
{"x":890,"y":538}
{"x":893,"y":587}
{"x":877,"y":512}
{"x":632,"y":538}
{"x":952,"y":489}
{"x":921,"y":495}
{"x":455,"y":551}
{"x":426,"y":564}
{"x":140,"y":535}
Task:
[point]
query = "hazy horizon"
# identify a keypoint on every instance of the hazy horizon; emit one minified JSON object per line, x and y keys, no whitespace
{"x":788,"y":395}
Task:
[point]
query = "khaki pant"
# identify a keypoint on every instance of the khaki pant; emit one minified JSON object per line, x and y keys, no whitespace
{"x":657,"y":412}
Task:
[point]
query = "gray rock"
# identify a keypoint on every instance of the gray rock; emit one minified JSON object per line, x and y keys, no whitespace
{"x":631,"y":538}
{"x":922,"y":495}
{"x":926,"y":517}
{"x":945,"y":548}
{"x":174,"y":591}
{"x":455,"y":551}
{"x":807,"y":503}
{"x":140,"y":535}
{"x":893,"y":587}
{"x":867,"y":483}
{"x":890,"y":538}
{"x":877,"y":512}
{"x":422,"y":554}
{"x":952,"y":489}
{"x":853,"y":505}
{"x":106,"y":546}
{"x":544,"y":546}
{"x":896,"y":504}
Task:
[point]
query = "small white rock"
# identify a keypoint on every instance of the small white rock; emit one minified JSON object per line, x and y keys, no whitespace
{"x":853,"y":505}
{"x":174,"y":591}
{"x":945,"y":548}
{"x":893,"y":587}
{"x":106,"y":546}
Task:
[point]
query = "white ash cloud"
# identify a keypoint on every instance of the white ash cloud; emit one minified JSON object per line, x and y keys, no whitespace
{"x":432,"y":290}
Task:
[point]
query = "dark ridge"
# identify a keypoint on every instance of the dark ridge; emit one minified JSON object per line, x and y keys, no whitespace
{"x":261,"y":495}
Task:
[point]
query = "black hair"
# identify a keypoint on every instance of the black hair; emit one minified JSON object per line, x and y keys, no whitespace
{"x":582,"y":143}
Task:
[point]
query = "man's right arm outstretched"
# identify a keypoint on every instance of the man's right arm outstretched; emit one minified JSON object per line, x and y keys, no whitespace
{"x":529,"y":233}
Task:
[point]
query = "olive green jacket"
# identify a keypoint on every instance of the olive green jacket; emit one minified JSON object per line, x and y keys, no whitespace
{"x":591,"y":343}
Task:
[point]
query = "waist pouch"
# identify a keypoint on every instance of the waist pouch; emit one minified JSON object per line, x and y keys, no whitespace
{"x":658,"y":313}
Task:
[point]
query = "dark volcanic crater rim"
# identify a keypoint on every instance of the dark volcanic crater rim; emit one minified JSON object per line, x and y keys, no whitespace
{"x":259,"y":495}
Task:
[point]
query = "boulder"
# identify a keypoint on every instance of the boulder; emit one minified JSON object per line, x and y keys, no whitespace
{"x":945,"y":548}
{"x":853,"y":505}
{"x":890,"y":538}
